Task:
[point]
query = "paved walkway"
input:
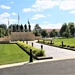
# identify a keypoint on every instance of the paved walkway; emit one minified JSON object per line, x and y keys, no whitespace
{"x":56,"y":53}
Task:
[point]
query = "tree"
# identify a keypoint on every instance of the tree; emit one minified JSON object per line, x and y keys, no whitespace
{"x":2,"y":32}
{"x":21,"y":28}
{"x":36,"y":33}
{"x":37,"y":30}
{"x":3,"y":26}
{"x":66,"y":34}
{"x":63,"y":29}
{"x":44,"y":33}
{"x":25,"y":27}
{"x":53,"y":33}
{"x":71,"y":27}
{"x":37,"y":27}
{"x":13,"y":27}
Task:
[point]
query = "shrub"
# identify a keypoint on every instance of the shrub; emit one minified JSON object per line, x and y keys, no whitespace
{"x":46,"y":42}
{"x":36,"y":51}
{"x":64,"y":45}
{"x":39,"y":53}
{"x":71,"y":46}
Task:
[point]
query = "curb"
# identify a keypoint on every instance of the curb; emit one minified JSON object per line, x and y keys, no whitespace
{"x":26,"y":63}
{"x":12,"y":65}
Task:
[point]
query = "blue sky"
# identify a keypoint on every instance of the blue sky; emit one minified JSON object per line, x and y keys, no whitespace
{"x":49,"y":14}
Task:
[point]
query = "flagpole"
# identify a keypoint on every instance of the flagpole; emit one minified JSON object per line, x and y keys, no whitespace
{"x":8,"y":26}
{"x":18,"y":19}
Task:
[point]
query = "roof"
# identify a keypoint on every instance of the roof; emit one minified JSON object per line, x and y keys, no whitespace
{"x":49,"y":30}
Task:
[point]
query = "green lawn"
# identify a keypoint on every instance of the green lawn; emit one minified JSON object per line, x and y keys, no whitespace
{"x":11,"y":53}
{"x":67,"y":41}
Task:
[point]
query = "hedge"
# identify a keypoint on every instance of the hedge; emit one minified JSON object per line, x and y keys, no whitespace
{"x":36,"y":51}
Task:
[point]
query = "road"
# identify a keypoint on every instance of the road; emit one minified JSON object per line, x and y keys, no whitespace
{"x":61,"y":67}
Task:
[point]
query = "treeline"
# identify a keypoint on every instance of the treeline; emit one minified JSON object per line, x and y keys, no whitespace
{"x":67,"y":30}
{"x":20,"y":28}
{"x":38,"y":31}
{"x":3,"y":30}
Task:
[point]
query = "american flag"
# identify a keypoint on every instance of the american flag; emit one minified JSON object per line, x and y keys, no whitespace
{"x":28,"y":22}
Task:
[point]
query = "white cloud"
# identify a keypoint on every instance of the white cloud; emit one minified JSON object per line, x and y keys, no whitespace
{"x":72,"y":12}
{"x":41,"y":5}
{"x":51,"y":26}
{"x":67,"y":5}
{"x":32,"y":26}
{"x":11,"y":2}
{"x":48,"y":26}
{"x":45,"y":22}
{"x":45,"y":4}
{"x":37,"y":16}
{"x":5,"y":15}
{"x":4,"y":19}
{"x":26,"y":9}
{"x":12,"y":21}
{"x":14,"y":13}
{"x":5,"y":7}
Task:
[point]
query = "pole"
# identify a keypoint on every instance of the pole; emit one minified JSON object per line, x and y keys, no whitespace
{"x":8,"y":26}
{"x":31,"y":58}
{"x":41,"y":46}
{"x":32,"y":44}
{"x":62,"y":44}
{"x":18,"y":19}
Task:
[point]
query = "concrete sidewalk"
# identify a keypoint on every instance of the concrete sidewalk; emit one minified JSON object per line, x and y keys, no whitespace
{"x":56,"y":53}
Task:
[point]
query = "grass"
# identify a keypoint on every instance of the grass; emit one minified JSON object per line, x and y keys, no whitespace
{"x":66,"y":41}
{"x":11,"y":53}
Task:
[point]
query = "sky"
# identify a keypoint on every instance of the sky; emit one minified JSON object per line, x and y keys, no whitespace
{"x":49,"y":14}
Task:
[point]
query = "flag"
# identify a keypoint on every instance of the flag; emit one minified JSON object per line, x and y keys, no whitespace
{"x":28,"y":22}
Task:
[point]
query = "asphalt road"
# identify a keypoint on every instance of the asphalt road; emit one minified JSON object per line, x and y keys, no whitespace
{"x":61,"y":67}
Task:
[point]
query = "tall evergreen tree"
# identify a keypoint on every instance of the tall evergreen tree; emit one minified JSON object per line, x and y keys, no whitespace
{"x":72,"y":28}
{"x":63,"y":29}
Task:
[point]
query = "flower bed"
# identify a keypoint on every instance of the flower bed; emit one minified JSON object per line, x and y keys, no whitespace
{"x":35,"y":51}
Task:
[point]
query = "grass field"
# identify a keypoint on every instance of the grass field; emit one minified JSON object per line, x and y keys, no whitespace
{"x":67,"y":41}
{"x":11,"y":53}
